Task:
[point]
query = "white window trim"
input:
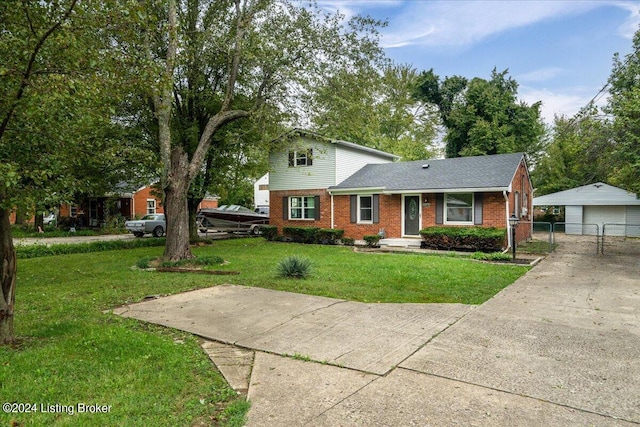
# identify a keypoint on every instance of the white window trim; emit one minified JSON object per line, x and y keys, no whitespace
{"x":302,"y":208}
{"x":301,"y":155}
{"x":360,"y":220}
{"x":155,"y":207}
{"x":446,"y":210}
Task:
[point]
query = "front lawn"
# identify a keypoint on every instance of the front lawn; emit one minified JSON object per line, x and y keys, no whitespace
{"x":339,"y":272}
{"x":70,"y":352}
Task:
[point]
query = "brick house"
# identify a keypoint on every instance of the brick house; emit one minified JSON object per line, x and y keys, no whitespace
{"x":328,"y":183}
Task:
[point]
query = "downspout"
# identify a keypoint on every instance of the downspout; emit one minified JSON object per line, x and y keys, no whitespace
{"x":332,"y":212}
{"x":505,"y":193}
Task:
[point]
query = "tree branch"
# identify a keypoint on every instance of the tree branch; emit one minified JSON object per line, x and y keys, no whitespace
{"x":29,"y":68}
{"x":214,"y":123}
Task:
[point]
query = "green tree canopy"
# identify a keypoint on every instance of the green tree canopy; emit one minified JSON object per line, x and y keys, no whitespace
{"x":624,"y":106}
{"x":579,"y":153}
{"x":483,"y":116}
{"x":376,"y":108}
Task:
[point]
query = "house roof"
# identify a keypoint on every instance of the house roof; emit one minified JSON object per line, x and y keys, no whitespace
{"x":598,"y":194}
{"x":460,"y":174}
{"x":308,"y":134}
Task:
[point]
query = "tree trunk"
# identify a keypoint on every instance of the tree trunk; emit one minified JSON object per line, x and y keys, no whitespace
{"x":192,"y":204}
{"x":176,"y":212}
{"x":20,"y":216}
{"x":7,"y":279}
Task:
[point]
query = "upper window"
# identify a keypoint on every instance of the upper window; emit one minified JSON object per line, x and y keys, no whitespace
{"x":303,"y":207}
{"x":365,"y":209}
{"x":459,"y":208}
{"x":301,"y":158}
{"x":151,"y":206}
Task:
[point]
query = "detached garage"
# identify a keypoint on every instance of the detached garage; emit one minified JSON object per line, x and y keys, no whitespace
{"x":596,"y":207}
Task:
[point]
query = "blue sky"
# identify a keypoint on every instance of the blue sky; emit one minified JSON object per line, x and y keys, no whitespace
{"x":560,"y":52}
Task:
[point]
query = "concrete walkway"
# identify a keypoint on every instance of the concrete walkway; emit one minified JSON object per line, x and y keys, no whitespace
{"x":560,"y":347}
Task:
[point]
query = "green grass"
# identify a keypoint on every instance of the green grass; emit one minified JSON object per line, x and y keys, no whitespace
{"x":535,"y":247}
{"x":339,"y":272}
{"x":70,"y":352}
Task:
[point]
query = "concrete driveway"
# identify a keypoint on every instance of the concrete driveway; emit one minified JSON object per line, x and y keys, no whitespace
{"x":560,"y":347}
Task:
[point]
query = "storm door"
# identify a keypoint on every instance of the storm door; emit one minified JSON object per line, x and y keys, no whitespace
{"x":411,"y":215}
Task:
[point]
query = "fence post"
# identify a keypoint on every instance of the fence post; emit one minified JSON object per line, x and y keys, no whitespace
{"x":602,"y":239}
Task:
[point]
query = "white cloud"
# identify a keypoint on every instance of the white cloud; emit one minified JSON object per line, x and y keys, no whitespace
{"x":630,"y":26}
{"x":566,"y":103}
{"x":540,"y":75}
{"x":349,"y":8}
{"x":459,"y":23}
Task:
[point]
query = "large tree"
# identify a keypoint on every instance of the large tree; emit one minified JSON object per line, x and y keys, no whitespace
{"x":376,"y":108}
{"x":579,"y":153}
{"x":57,"y":136}
{"x":624,"y":106}
{"x":483,"y":116}
{"x":262,"y":53}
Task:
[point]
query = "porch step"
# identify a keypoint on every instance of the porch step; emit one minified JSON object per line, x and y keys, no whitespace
{"x":400,"y":243}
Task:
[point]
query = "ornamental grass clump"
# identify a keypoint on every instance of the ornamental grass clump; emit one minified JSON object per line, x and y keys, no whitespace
{"x":294,"y":267}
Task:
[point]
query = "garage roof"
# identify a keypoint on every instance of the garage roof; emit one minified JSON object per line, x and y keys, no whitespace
{"x":598,"y":194}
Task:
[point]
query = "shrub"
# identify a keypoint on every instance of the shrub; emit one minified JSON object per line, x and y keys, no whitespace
{"x":301,"y":234}
{"x":464,"y":238}
{"x":34,"y":251}
{"x":328,"y":236}
{"x":372,"y":240}
{"x":294,"y":267}
{"x":348,"y":241}
{"x":269,"y":232}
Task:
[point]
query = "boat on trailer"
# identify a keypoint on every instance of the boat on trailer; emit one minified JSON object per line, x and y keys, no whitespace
{"x":231,"y":218}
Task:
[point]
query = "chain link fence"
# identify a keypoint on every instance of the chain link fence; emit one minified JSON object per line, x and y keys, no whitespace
{"x":592,"y":239}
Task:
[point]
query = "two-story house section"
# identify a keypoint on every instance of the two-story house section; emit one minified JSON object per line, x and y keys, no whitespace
{"x":302,"y":171}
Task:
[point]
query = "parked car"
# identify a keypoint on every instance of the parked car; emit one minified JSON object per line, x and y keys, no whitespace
{"x":152,"y":223}
{"x":49,"y":219}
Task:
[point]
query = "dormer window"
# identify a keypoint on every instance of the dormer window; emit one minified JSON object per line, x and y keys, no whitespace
{"x":301,"y":158}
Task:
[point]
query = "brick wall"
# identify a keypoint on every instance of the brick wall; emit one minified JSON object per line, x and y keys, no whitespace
{"x":276,"y":217}
{"x":140,"y":202}
{"x":521,"y":187}
{"x":390,"y":211}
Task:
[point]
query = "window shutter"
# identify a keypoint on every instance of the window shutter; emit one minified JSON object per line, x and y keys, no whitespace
{"x":285,"y":208}
{"x":292,"y":159}
{"x":376,"y":208}
{"x":316,"y":209}
{"x":439,"y":208}
{"x":309,"y":157}
{"x":354,"y":208}
{"x":477,"y":208}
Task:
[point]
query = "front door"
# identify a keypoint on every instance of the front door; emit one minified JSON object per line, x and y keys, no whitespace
{"x":411,"y":215}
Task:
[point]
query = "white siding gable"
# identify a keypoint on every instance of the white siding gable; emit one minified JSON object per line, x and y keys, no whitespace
{"x":350,"y":160}
{"x":261,"y":197}
{"x":333,"y":162}
{"x":321,"y":174}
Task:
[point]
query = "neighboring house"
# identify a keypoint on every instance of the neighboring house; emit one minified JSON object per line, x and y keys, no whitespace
{"x":590,"y":208}
{"x":336,"y":184}
{"x":125,"y":201}
{"x":261,"y":192}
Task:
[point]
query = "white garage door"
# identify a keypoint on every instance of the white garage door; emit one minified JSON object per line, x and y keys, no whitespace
{"x":606,"y":215}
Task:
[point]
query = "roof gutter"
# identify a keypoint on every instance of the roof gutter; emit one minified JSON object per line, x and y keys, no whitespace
{"x":448,"y":190}
{"x":361,"y":190}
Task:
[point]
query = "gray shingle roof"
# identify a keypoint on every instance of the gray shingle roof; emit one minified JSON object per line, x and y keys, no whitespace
{"x":481,"y":172}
